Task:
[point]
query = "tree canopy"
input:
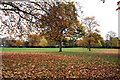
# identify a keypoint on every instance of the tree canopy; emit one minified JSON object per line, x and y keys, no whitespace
{"x":53,"y":19}
{"x":61,"y":22}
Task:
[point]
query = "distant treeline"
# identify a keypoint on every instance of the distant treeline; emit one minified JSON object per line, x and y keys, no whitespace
{"x":58,"y":47}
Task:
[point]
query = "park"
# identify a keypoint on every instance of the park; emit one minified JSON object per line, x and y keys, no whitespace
{"x":49,"y":63}
{"x":51,"y":40}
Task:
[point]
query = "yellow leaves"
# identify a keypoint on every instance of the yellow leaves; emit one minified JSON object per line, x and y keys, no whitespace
{"x":99,"y":42}
{"x":69,"y":71}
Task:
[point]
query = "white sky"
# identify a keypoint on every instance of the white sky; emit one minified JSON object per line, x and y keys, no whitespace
{"x":105,"y":13}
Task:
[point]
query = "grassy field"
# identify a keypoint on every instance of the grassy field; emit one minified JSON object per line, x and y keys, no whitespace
{"x":72,"y":51}
{"x":71,"y":63}
{"x":51,"y":49}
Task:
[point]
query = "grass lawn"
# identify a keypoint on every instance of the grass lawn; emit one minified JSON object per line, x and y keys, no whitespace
{"x":51,"y":49}
{"x":71,"y":63}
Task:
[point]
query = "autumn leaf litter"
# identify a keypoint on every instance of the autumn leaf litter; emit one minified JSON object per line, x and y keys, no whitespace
{"x":56,"y":66}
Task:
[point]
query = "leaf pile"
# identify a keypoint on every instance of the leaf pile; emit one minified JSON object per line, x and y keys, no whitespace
{"x":56,"y":66}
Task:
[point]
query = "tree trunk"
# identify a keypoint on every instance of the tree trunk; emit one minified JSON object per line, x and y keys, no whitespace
{"x":89,"y":45}
{"x":60,"y":46}
{"x":111,"y":43}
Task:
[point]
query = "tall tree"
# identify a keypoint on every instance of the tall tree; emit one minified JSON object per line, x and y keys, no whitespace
{"x":54,"y":18}
{"x":110,"y":35}
{"x":61,"y":23}
{"x":91,"y":31}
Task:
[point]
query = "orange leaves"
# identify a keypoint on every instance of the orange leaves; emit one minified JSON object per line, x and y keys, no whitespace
{"x":48,"y":38}
{"x":33,"y":66}
{"x":56,"y":66}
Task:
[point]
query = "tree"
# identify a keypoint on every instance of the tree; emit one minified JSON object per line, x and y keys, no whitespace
{"x":54,"y":18}
{"x":25,"y":43}
{"x":82,"y":42}
{"x":109,"y":36}
{"x":94,"y":43}
{"x":92,"y":34}
{"x":24,"y":13}
{"x":2,"y":41}
{"x":34,"y":40}
{"x":115,"y":42}
{"x":43,"y":42}
{"x":18,"y":43}
{"x":61,"y":22}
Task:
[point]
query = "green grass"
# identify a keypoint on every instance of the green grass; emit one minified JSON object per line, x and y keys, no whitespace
{"x":48,"y":50}
{"x":79,"y":52}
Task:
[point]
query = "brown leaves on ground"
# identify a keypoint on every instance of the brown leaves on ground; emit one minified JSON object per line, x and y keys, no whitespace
{"x":56,"y":66}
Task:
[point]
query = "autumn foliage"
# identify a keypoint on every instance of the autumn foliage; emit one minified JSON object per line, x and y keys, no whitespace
{"x":92,"y":33}
{"x":61,"y":22}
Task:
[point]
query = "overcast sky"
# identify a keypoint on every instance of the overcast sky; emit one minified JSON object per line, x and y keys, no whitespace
{"x":105,"y":14}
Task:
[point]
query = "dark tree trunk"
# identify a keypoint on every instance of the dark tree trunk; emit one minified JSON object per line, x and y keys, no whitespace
{"x":111,"y":43}
{"x":89,"y":45}
{"x":60,"y":46}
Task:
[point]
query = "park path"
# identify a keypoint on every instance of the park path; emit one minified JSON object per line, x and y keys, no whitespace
{"x":108,"y":52}
{"x":105,"y":51}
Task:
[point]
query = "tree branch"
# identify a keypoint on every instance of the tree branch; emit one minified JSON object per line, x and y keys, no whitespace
{"x":40,"y":7}
{"x":17,"y":9}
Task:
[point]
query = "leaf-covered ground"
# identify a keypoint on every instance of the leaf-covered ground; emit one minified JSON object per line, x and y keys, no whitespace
{"x":57,"y":66}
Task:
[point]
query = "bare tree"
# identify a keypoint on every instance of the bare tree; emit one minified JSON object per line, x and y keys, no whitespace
{"x":110,"y":35}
